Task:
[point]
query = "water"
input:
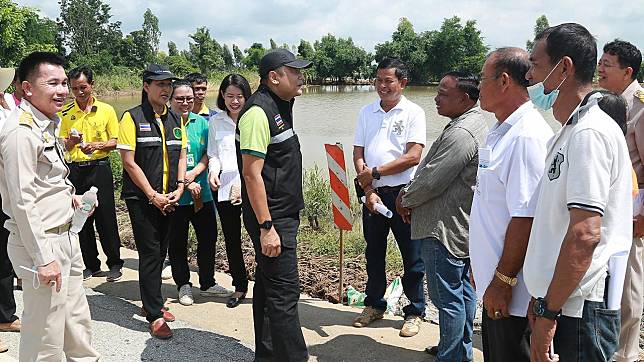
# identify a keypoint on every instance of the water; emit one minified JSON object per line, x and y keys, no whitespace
{"x":328,"y":114}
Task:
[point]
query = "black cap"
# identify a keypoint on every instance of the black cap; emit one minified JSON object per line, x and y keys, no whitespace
{"x":158,"y":72}
{"x":280,"y":57}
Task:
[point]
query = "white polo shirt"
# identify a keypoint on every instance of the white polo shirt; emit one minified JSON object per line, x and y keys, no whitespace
{"x":587,"y":167}
{"x":384,"y":136}
{"x":510,"y":166}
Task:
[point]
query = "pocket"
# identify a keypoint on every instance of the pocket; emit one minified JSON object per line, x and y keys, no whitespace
{"x":607,"y":326}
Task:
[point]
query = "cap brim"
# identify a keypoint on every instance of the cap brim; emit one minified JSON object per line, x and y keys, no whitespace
{"x":6,"y":77}
{"x":161,"y":77}
{"x":299,"y":64}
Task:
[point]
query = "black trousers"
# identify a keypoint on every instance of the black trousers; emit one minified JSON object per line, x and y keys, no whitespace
{"x":230,"y":218}
{"x":506,"y":340}
{"x":150,"y":228}
{"x":84,"y":177}
{"x":7,"y":301}
{"x":205,"y":224}
{"x":278,"y":334}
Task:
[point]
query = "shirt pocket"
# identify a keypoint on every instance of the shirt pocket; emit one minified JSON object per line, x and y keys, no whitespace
{"x":50,"y":166}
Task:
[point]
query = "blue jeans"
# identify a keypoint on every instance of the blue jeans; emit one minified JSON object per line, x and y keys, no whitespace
{"x":376,"y":229}
{"x":448,"y":281}
{"x":593,"y":337}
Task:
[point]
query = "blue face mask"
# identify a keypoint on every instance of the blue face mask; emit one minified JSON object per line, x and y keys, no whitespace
{"x":537,"y":93}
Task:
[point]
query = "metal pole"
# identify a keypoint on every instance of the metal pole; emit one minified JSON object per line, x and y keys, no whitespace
{"x":340,"y":286}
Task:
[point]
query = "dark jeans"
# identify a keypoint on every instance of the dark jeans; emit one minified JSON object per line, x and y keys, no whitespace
{"x":278,"y":334}
{"x":376,"y":230}
{"x":448,"y":281}
{"x":205,"y":224}
{"x":230,"y":218}
{"x":150,"y":228}
{"x":506,"y":340}
{"x":84,"y":177}
{"x":593,"y":337}
{"x":7,"y":301}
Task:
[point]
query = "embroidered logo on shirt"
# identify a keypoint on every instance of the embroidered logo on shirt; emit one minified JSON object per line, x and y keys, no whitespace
{"x":399,"y":127}
{"x":177,"y":132}
{"x":145,"y":127}
{"x":278,"y":121}
{"x":554,"y":171}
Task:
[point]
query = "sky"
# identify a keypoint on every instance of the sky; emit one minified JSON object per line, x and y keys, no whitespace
{"x":367,"y":22}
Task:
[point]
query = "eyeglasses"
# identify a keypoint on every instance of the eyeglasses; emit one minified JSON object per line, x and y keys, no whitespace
{"x":184,"y":99}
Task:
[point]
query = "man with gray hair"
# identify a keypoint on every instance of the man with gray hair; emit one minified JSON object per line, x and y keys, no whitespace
{"x":510,"y":167}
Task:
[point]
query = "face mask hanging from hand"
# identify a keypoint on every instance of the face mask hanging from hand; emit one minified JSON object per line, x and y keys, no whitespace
{"x":537,"y":92}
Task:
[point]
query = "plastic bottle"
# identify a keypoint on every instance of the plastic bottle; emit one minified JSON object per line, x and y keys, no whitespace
{"x":88,"y":201}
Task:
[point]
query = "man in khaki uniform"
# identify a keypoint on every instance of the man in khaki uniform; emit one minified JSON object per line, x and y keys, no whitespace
{"x":618,"y":68}
{"x":38,"y":198}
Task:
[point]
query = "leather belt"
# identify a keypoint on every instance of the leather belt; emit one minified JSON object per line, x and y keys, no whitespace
{"x":102,"y":161}
{"x":388,"y":189}
{"x":59,"y":229}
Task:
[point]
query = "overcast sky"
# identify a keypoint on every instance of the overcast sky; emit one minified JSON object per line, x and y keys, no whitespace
{"x":368,"y":22}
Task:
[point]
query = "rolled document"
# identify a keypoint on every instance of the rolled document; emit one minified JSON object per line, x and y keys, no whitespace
{"x":617,"y":271}
{"x":382,"y":209}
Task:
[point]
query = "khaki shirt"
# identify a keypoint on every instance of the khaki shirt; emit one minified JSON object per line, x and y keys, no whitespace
{"x":634,"y":95}
{"x":36,"y":194}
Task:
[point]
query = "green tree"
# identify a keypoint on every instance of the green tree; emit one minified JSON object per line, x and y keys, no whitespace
{"x":339,"y":58}
{"x":305,"y":50}
{"x":151,"y":30}
{"x":172,"y":49}
{"x":540,"y":25}
{"x":239,"y":56}
{"x":273,"y":44}
{"x":409,"y":47}
{"x":205,"y":52}
{"x":136,"y":51}
{"x":229,"y":61}
{"x":253,"y":55}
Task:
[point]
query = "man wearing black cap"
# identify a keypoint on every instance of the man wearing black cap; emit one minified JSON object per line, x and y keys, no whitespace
{"x":152,"y":144}
{"x":270,"y":162}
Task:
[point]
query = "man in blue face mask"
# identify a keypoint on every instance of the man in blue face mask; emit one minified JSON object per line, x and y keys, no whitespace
{"x":583,"y":207}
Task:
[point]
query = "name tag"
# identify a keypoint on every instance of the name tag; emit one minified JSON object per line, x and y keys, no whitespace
{"x":485,"y":154}
{"x":190,"y":158}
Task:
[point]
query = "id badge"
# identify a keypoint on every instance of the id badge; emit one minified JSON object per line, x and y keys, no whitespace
{"x":485,"y":154}
{"x":190,"y":160}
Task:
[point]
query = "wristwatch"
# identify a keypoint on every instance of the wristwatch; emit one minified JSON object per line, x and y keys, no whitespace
{"x":506,"y":279}
{"x":375,"y":174}
{"x":540,"y":309}
{"x":266,"y":225}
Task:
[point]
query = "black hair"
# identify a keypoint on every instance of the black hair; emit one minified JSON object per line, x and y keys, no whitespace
{"x":29,"y":65}
{"x":393,"y":63}
{"x":180,"y":83}
{"x":196,"y":78}
{"x":627,"y":55}
{"x":613,"y":105}
{"x":232,"y":79}
{"x":84,"y":70}
{"x":576,"y":42}
{"x":513,"y":61}
{"x":467,"y":82}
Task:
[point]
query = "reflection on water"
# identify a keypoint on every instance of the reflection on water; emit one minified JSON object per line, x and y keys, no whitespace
{"x":328,"y":114}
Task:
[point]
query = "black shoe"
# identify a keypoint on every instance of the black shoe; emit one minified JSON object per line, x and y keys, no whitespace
{"x":114,"y":274}
{"x":234,"y":301}
{"x":88,"y":274}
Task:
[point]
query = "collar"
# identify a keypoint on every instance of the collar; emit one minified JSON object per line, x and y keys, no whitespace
{"x":191,"y":117}
{"x":92,"y":110}
{"x":279,"y":101}
{"x":40,"y":119}
{"x":148,"y":111}
{"x":400,"y":105}
{"x":223,"y":115}
{"x":513,"y":119}
{"x":589,"y":100}
{"x":475,"y":109}
{"x":629,"y":92}
{"x":204,"y":109}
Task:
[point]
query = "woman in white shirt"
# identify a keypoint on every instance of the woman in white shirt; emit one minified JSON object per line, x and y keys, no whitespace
{"x":224,"y":176}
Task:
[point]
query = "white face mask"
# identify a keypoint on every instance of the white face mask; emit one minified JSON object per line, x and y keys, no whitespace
{"x":537,"y":93}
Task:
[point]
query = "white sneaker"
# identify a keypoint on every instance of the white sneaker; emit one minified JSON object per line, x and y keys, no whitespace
{"x":166,"y":273}
{"x":185,"y":295}
{"x":217,"y":291}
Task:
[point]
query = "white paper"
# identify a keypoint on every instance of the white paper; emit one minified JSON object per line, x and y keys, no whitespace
{"x":228,"y":179}
{"x":617,"y":270}
{"x":382,"y":209}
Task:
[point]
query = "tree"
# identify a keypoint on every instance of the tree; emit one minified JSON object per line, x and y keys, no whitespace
{"x":23,"y":31}
{"x":151,"y":30}
{"x":408,"y":46}
{"x":540,"y":25}
{"x":273,"y":44}
{"x":172,"y":49}
{"x":229,"y":61}
{"x":305,"y":50}
{"x":338,"y":58}
{"x":253,"y":55}
{"x":205,"y":52}
{"x":239,"y":56}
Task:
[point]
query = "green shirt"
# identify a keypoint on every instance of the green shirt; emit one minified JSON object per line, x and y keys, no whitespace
{"x":254,"y":132}
{"x":197,"y":131}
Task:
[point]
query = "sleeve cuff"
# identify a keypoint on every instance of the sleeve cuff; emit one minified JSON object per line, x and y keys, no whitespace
{"x":522,"y":213}
{"x":43,"y":258}
{"x":587,"y":207}
{"x":253,"y":153}
{"x":121,"y":146}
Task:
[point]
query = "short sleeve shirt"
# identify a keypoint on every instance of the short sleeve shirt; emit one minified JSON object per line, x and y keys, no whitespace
{"x":385,"y":135}
{"x":510,"y":167}
{"x":98,"y":125}
{"x":587,"y":167}
{"x":197,"y":138}
{"x":254,"y":132}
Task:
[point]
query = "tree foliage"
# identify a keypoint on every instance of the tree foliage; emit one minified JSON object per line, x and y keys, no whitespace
{"x":239,"y":56}
{"x":205,"y":52}
{"x":151,"y":30}
{"x":540,"y":25}
{"x":338,"y":58}
{"x":253,"y":56}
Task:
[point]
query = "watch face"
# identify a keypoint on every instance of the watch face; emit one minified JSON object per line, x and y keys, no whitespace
{"x":538,"y":308}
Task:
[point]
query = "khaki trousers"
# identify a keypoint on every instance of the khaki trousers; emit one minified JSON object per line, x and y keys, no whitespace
{"x":632,"y":305}
{"x":54,"y":323}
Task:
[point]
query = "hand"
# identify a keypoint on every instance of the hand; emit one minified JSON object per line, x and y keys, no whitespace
{"x":160,"y":201}
{"x":189,"y":177}
{"x":73,"y":139}
{"x":404,"y":212}
{"x":530,"y":313}
{"x":638,"y":226}
{"x":372,"y":200}
{"x":175,"y":195}
{"x":365,"y":177}
{"x":195,"y":190}
{"x":50,"y":273}
{"x":543,"y":332}
{"x":90,"y":147}
{"x":214,"y":182}
{"x":77,"y":200}
{"x":497,"y":297}
{"x":271,"y":243}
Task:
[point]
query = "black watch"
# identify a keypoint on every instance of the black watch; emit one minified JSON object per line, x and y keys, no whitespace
{"x":267,"y":225}
{"x":375,"y":174}
{"x":540,"y":309}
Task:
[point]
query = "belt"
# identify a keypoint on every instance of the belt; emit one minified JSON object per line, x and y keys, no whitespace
{"x":102,"y":161}
{"x":388,"y":189}
{"x":59,"y":229}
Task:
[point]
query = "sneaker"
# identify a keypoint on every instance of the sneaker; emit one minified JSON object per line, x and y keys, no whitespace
{"x":115,"y":274}
{"x":368,"y":315}
{"x":88,"y":274}
{"x":166,"y":273}
{"x":411,"y":327}
{"x":217,"y":291}
{"x":185,"y":295}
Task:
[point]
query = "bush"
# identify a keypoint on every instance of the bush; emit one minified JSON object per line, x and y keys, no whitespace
{"x":317,"y":196}
{"x":117,"y":172}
